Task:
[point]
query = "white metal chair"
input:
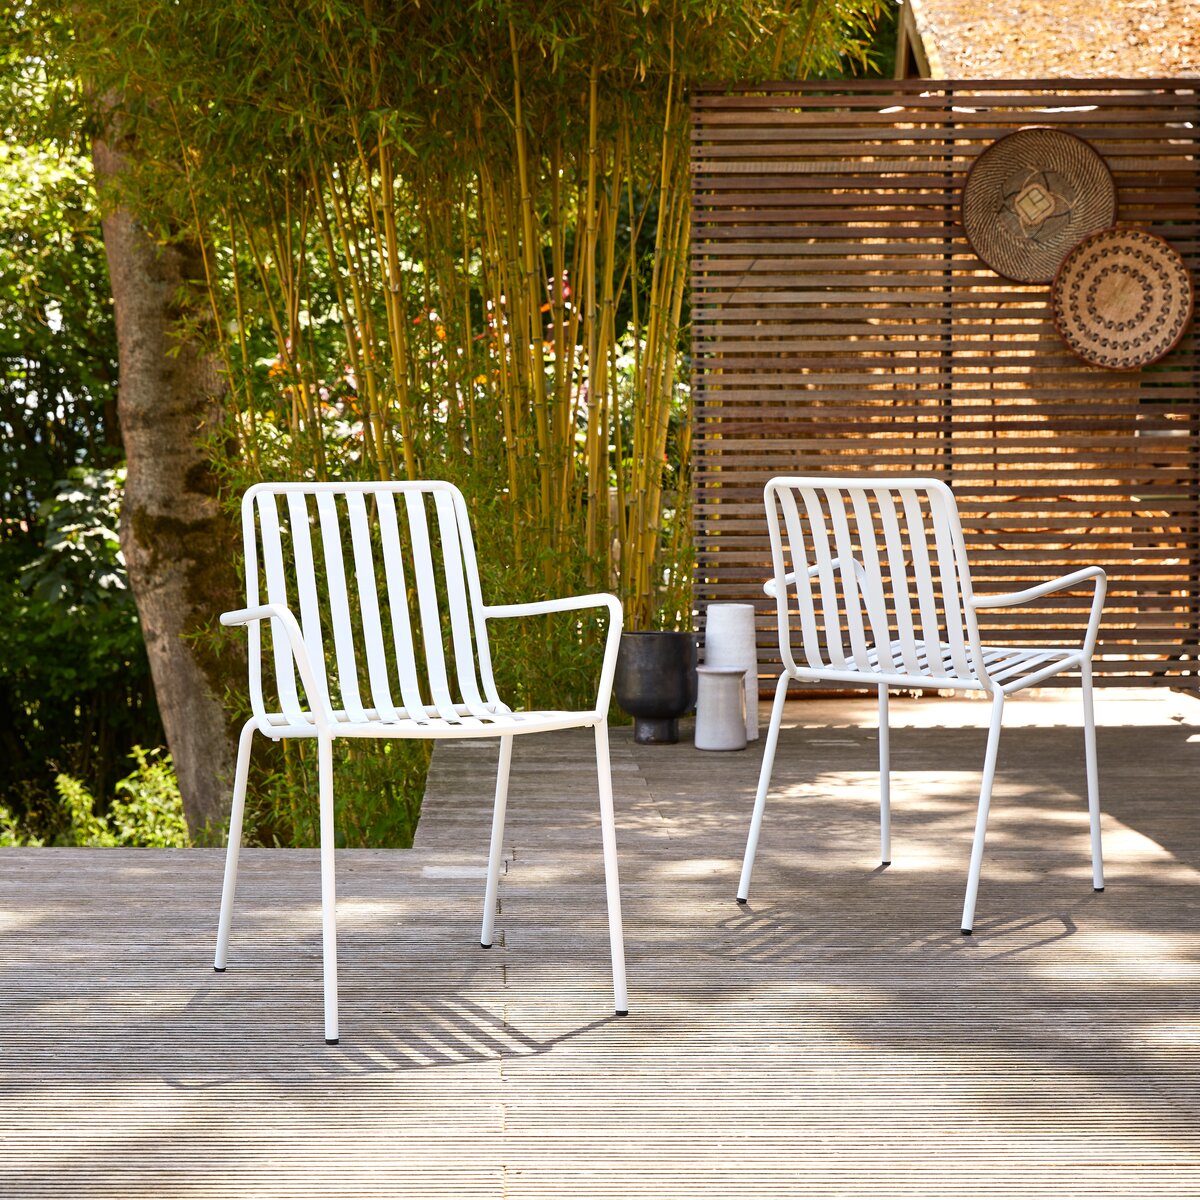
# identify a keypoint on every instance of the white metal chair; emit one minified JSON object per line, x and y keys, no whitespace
{"x":359,"y":612}
{"x":877,"y":571}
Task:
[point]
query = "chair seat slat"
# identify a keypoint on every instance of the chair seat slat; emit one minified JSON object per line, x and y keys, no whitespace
{"x":471,"y":567}
{"x":804,"y":599}
{"x":846,"y":567}
{"x":427,"y":602}
{"x":285,"y":672}
{"x":456,"y":596}
{"x":339,"y":603}
{"x":823,"y":561}
{"x":950,"y":585}
{"x":898,"y":575}
{"x":921,"y":568}
{"x":368,"y":603}
{"x":871,"y":584}
{"x":310,"y":611}
{"x":397,"y":592}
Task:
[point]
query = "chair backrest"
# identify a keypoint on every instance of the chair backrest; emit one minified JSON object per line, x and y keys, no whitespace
{"x":881,"y":577}
{"x":377,"y":575}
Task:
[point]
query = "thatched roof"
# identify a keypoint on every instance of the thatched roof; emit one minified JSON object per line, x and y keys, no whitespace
{"x":1056,"y":39}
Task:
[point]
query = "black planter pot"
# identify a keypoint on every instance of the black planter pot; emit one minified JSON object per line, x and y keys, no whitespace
{"x":656,"y":683}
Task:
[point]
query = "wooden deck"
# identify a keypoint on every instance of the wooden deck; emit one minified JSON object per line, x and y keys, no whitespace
{"x":836,"y":1037}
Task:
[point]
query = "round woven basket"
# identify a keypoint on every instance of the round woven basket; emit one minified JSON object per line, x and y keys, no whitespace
{"x":1122,"y":298}
{"x":1030,"y":197}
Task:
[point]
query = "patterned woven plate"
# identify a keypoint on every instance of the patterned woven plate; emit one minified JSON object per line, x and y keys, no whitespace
{"x":1030,"y":197}
{"x":1122,"y":299}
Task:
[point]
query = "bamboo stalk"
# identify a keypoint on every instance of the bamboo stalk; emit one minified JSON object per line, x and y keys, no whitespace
{"x":356,"y":274}
{"x":397,"y":311}
{"x":349,"y":329}
{"x":594,"y":354}
{"x":532,"y":325}
{"x":240,"y":317}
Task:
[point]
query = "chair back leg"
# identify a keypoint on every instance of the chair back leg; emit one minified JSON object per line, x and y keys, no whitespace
{"x":764,"y":784}
{"x":496,"y":849}
{"x":328,"y":889}
{"x":981,"y":819}
{"x":236,"y":813}
{"x":612,"y":885}
{"x":1093,"y":774}
{"x":885,"y":781}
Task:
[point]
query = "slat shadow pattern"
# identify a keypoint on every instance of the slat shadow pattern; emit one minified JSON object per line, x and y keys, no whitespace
{"x":842,"y":323}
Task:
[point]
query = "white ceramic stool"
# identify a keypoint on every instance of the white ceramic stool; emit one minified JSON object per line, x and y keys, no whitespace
{"x":720,"y":708}
{"x":729,"y":642}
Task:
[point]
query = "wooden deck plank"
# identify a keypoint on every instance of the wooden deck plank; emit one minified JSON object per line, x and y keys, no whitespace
{"x":835,"y":1037}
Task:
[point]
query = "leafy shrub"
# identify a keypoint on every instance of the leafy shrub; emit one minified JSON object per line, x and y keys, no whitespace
{"x":146,"y":811}
{"x":75,"y":688}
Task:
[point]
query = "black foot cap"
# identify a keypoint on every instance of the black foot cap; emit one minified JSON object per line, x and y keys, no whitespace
{"x":741,"y":901}
{"x":966,"y":933}
{"x":486,"y":945}
{"x":221,"y":970}
{"x":622,"y":1012}
{"x":887,"y":862}
{"x":331,"y":1041}
{"x":1097,"y":889}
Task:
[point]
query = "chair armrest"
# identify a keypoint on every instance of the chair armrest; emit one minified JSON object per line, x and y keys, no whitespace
{"x":318,"y":698}
{"x":565,"y":604}
{"x":1099,"y":582}
{"x":244,"y":616}
{"x":1011,"y":599}
{"x":612,"y":640}
{"x":772,"y":589}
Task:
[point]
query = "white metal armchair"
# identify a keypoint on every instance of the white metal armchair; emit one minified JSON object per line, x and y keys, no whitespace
{"x":359,"y":610}
{"x":874,"y":571}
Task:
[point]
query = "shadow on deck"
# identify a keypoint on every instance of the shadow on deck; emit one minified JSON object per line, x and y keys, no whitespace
{"x":834,"y":1036}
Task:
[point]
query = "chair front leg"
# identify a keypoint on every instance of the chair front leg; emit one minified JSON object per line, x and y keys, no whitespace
{"x":236,"y":813}
{"x":496,"y":849}
{"x":985,"y":801}
{"x":764,"y":783}
{"x":328,"y":888}
{"x":1093,"y":774}
{"x":885,"y":781}
{"x":612,"y":886}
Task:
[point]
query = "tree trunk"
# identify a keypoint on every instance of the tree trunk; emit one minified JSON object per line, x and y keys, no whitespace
{"x":176,"y":542}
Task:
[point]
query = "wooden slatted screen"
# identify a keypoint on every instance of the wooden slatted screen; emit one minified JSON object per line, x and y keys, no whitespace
{"x":841,"y":322}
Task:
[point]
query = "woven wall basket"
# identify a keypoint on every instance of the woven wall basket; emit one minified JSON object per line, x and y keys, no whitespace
{"x":1030,"y":197}
{"x":1123,"y":298}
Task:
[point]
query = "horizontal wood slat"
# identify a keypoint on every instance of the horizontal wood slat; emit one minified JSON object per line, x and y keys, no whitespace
{"x":842,"y":323}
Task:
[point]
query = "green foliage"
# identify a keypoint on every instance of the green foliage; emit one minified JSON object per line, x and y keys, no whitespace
{"x":430,"y":227}
{"x":80,"y":565}
{"x":378,"y":787}
{"x":85,"y":828}
{"x":442,"y":240}
{"x":74,"y":681}
{"x":11,"y":833}
{"x":57,"y":339}
{"x":146,"y":811}
{"x":75,"y":690}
